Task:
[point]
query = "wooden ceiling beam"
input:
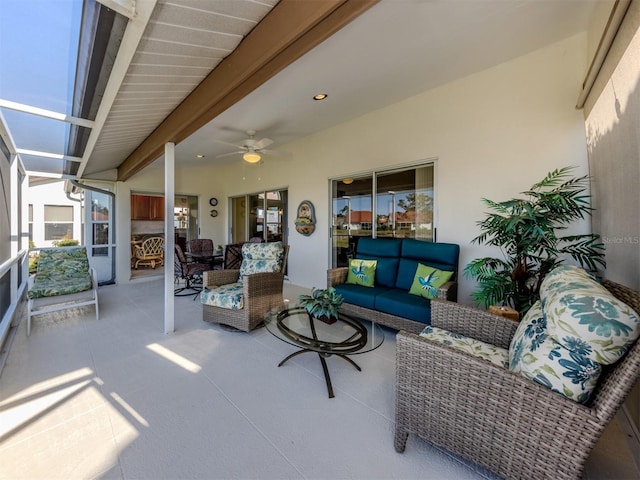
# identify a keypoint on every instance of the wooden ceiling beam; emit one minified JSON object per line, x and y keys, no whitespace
{"x":287,"y":32}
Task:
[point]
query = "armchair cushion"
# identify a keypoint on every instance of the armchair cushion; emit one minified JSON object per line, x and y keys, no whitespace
{"x":362,"y":272}
{"x":428,"y":280}
{"x":537,"y":356}
{"x":581,"y":314}
{"x":496,"y":355}
{"x":228,"y":296}
{"x":261,"y":258}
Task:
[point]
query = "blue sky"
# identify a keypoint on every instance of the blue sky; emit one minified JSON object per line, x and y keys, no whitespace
{"x":38,"y":51}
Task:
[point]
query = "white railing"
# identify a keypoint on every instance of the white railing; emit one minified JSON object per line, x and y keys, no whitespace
{"x":11,"y":267}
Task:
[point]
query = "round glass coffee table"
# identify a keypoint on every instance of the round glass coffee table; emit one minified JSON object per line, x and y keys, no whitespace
{"x":347,"y":336}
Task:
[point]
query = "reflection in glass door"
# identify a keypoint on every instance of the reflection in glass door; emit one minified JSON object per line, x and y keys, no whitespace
{"x":403,"y":208}
{"x":404,"y":204}
{"x":352,"y":216}
{"x":259,"y":217}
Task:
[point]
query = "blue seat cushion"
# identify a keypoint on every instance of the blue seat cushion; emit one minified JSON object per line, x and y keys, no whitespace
{"x":359,"y":295}
{"x":403,"y":304}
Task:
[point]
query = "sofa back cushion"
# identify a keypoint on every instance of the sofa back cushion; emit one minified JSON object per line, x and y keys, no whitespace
{"x":443,"y":256}
{"x":386,"y":251}
{"x":261,"y":257}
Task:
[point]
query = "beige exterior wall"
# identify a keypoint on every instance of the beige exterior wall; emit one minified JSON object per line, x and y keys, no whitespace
{"x":612,"y":114}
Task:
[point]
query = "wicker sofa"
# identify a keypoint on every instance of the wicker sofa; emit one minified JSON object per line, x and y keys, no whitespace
{"x":389,"y":302}
{"x":496,"y":417}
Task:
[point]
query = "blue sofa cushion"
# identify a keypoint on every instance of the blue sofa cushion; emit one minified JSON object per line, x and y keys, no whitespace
{"x":386,"y":251}
{"x":379,"y":247}
{"x":443,"y":256}
{"x":403,"y":304}
{"x":386,"y":270}
{"x":359,"y":295}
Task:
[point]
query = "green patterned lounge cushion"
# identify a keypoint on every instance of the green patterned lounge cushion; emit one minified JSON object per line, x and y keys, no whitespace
{"x":230,"y":296}
{"x":428,"y":280}
{"x":261,"y":258}
{"x":61,"y":271}
{"x":496,"y":355}
{"x":538,"y":357}
{"x":584,"y":316}
{"x":362,"y":272}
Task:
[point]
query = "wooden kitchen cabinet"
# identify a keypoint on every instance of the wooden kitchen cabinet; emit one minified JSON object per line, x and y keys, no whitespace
{"x":156,"y":208}
{"x":146,"y":207}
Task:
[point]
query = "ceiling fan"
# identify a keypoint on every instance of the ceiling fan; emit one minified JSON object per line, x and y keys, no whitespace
{"x":252,"y":149}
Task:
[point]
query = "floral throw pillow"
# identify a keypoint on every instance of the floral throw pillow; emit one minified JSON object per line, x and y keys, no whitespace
{"x":362,"y":272}
{"x":583,"y":315}
{"x":428,"y":280}
{"x":538,"y":357}
{"x":261,"y":258}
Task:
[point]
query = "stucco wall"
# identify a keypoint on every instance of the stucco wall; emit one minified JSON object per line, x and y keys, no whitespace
{"x":493,"y":134}
{"x":612,"y":114}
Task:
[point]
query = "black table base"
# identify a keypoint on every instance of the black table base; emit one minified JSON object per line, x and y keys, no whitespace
{"x":325,"y":369}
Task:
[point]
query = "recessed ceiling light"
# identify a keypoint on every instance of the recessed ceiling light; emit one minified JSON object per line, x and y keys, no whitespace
{"x":320,"y":96}
{"x":199,"y":156}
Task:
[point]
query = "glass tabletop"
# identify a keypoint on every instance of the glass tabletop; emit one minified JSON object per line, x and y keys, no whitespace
{"x":347,"y":336}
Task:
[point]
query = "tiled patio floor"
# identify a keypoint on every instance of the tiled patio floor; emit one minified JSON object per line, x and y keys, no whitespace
{"x":116,"y":398}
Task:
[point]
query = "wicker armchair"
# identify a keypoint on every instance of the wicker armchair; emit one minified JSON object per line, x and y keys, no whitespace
{"x":261,"y":293}
{"x":150,"y":252}
{"x":492,"y":416}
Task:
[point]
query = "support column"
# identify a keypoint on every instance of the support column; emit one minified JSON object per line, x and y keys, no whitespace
{"x":169,"y":241}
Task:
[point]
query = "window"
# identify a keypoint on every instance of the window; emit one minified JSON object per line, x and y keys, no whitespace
{"x":100,"y":223}
{"x":402,"y":207}
{"x":58,"y":222}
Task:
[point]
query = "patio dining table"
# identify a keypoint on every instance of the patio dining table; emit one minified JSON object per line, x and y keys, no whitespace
{"x":206,"y":256}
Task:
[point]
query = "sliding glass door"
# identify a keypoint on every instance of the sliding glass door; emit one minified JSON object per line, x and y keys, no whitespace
{"x":401,"y":207}
{"x":259,"y":217}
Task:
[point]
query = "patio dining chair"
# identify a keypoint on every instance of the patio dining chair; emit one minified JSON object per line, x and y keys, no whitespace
{"x":188,"y":272}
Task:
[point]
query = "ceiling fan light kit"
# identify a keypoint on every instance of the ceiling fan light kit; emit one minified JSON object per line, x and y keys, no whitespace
{"x":251,"y":157}
{"x":252,"y":151}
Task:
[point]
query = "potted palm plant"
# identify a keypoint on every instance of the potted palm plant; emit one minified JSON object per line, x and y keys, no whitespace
{"x":528,"y":233}
{"x":322,"y":304}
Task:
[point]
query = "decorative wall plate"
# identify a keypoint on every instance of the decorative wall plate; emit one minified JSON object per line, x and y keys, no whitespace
{"x":213,"y":201}
{"x":213,"y":213}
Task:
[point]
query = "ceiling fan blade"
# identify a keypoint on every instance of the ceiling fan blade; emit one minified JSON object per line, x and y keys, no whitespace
{"x":228,"y":143}
{"x":265,"y":142}
{"x":229,"y":154}
{"x":276,"y":153}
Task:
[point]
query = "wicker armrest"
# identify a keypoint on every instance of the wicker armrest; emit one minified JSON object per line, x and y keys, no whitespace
{"x":478,"y":396}
{"x":266,"y":283}
{"x":219,"y":277}
{"x":472,"y":322}
{"x":337,"y":276}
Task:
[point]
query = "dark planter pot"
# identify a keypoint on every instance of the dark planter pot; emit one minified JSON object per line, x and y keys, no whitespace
{"x":327,"y":319}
